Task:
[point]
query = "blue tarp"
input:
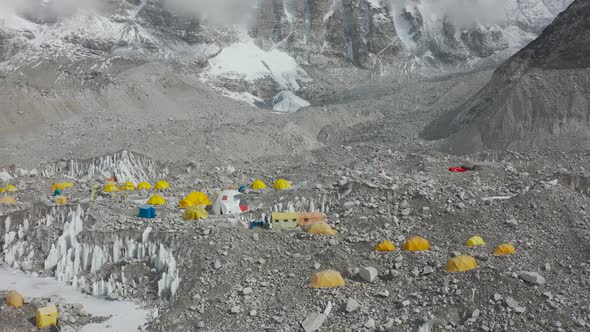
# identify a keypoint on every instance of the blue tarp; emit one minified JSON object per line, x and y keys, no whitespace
{"x":147,"y":211}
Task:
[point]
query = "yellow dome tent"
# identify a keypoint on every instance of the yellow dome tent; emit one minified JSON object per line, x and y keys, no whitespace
{"x":199,"y":198}
{"x":185,"y":203}
{"x":7,"y":200}
{"x":157,"y":200}
{"x":61,"y":186}
{"x":161,"y":185}
{"x":385,"y":246}
{"x":128,"y":186}
{"x":282,"y":184}
{"x":475,"y":241}
{"x":327,"y":279}
{"x":60,"y":200}
{"x":110,"y":188}
{"x":461,"y":264}
{"x":504,"y":249}
{"x":417,"y":243}
{"x":195,"y":213}
{"x":144,"y":186}
{"x":14,"y":299}
{"x":258,"y":185}
{"x":321,"y":229}
{"x":9,"y":188}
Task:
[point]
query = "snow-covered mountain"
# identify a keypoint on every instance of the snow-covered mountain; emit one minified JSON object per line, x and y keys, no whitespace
{"x":271,"y":54}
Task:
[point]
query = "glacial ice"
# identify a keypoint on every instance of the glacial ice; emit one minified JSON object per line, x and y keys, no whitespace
{"x":70,"y":259}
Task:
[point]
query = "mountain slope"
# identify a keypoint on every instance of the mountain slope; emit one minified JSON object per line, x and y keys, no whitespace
{"x":56,"y":55}
{"x":539,"y":97}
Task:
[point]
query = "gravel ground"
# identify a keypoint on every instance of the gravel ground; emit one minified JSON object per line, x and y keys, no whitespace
{"x":236,"y":279}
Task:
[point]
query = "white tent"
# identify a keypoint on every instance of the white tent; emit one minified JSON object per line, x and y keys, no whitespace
{"x":229,"y":202}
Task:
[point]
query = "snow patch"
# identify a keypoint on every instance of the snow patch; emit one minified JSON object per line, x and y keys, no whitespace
{"x":246,"y":61}
{"x":286,"y":101}
{"x":123,"y":315}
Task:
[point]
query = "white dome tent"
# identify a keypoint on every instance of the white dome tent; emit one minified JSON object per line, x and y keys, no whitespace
{"x":229,"y":202}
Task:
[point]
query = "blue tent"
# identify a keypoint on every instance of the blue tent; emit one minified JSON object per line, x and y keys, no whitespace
{"x":147,"y":211}
{"x":57,"y":192}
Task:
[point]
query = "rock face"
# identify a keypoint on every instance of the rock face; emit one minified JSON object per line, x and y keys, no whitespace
{"x":417,"y":33}
{"x":538,"y":97}
{"x":366,"y":33}
{"x":59,"y":55}
{"x":316,"y":30}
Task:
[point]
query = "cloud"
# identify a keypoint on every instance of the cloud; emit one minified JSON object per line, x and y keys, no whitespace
{"x":460,"y":12}
{"x":219,"y":12}
{"x":45,"y":10}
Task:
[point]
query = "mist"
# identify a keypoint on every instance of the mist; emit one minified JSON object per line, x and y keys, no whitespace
{"x":217,"y":12}
{"x":43,"y":11}
{"x":461,"y":12}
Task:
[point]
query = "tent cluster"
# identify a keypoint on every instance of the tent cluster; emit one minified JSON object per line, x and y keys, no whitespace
{"x":197,"y":205}
{"x":280,"y":184}
{"x":459,"y":263}
{"x":112,"y":187}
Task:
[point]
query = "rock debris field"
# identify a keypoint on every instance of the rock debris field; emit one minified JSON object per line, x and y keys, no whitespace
{"x":218,"y":274}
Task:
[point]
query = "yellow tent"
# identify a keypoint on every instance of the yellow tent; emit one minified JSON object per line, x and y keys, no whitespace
{"x":144,"y":186}
{"x":475,"y":241}
{"x":46,"y":316}
{"x":461,"y":264}
{"x":417,"y":243}
{"x":14,"y":299}
{"x":504,"y":249}
{"x":185,"y":203}
{"x":258,"y":185}
{"x":199,"y":198}
{"x":110,"y":188}
{"x":321,"y":228}
{"x":156,"y":200}
{"x":282,"y":184}
{"x":128,"y":186}
{"x":9,"y":188}
{"x":161,"y":185}
{"x":327,"y":279}
{"x":7,"y":200}
{"x":61,"y":186}
{"x":60,"y":200}
{"x":195,"y":213}
{"x":385,"y":246}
